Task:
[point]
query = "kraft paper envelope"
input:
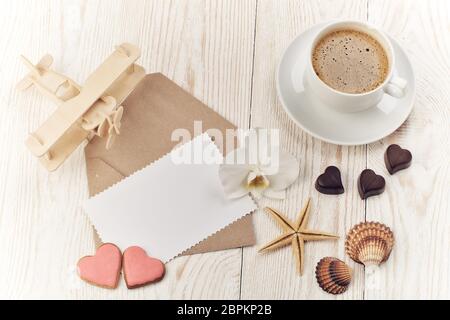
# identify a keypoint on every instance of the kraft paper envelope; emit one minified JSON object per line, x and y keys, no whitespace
{"x":153,"y":220}
{"x":153,"y":110}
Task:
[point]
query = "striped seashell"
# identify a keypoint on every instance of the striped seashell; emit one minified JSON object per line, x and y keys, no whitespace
{"x":369,"y":243}
{"x":333,"y":275}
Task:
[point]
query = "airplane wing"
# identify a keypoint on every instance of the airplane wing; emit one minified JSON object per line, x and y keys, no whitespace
{"x":24,"y":84}
{"x":64,"y":147}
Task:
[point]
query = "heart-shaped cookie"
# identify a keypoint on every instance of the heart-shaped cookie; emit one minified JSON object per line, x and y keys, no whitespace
{"x":103,"y":269}
{"x":396,"y":158}
{"x":140,"y":269}
{"x":370,"y":184}
{"x":330,"y":181}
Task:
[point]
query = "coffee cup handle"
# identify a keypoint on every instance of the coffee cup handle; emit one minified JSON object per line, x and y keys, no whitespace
{"x":396,"y":87}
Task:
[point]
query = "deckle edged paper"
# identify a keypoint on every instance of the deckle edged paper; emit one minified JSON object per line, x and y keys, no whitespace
{"x":166,"y":208}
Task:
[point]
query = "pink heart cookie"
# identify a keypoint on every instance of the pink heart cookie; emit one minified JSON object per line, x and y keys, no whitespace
{"x":140,"y":269}
{"x":103,"y":269}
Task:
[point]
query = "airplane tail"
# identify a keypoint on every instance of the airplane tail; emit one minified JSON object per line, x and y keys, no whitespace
{"x":34,"y":70}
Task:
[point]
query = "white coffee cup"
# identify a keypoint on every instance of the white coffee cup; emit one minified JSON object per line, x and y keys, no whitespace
{"x":349,"y":102}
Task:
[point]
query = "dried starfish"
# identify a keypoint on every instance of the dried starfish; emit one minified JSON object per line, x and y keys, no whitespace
{"x":295,"y":234}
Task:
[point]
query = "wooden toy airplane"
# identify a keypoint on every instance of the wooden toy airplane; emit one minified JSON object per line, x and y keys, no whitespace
{"x":83,"y":112}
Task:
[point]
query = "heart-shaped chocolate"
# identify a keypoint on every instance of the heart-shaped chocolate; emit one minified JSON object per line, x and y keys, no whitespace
{"x":140,"y":269}
{"x":103,"y":269}
{"x":396,"y":158}
{"x":370,"y":184}
{"x":330,"y":181}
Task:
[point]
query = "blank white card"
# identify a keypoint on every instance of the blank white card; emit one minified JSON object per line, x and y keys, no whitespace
{"x":166,"y":208}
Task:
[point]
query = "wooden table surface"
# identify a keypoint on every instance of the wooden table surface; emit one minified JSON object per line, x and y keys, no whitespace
{"x":225,"y":53}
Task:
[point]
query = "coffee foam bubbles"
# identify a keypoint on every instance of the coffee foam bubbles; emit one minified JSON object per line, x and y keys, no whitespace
{"x":350,"y":61}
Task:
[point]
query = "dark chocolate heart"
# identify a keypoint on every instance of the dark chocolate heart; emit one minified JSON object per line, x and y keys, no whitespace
{"x":370,"y":184}
{"x":396,"y":158}
{"x":330,"y":181}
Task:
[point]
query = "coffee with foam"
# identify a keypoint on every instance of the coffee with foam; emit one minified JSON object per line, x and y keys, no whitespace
{"x":350,"y":61}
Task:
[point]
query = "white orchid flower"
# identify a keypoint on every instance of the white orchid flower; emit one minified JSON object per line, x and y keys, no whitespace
{"x":244,"y":171}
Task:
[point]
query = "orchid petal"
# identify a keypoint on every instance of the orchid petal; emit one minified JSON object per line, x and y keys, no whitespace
{"x":237,"y":193}
{"x":256,"y":194}
{"x":234,"y":176}
{"x":287,"y":173}
{"x":234,"y":179}
{"x":251,"y":176}
{"x":238,"y":173}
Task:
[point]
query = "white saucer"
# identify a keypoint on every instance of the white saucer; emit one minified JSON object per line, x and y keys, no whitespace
{"x":323,"y":122}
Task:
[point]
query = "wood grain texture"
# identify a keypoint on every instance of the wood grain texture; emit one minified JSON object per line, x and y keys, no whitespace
{"x":205,"y":46}
{"x":416,"y":201}
{"x":226,"y":53}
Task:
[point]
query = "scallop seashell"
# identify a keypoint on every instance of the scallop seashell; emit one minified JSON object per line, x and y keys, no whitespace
{"x":333,"y":275}
{"x":369,"y":243}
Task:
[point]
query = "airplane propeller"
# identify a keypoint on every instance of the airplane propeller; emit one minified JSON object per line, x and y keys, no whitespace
{"x":105,"y":123}
{"x":114,"y":122}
